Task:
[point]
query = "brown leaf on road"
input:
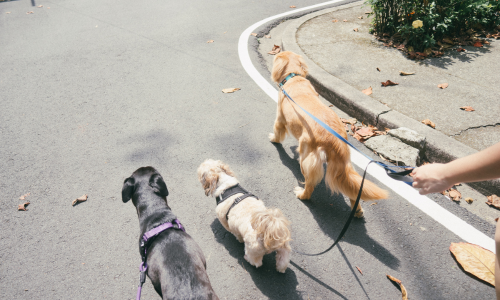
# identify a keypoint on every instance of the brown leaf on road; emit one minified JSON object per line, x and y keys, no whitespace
{"x":361,"y":17}
{"x":276,"y":50}
{"x":359,"y":270}
{"x":267,"y":36}
{"x":24,"y":196}
{"x":23,"y":206}
{"x":374,"y":203}
{"x":378,"y":69}
{"x":230,"y":90}
{"x":345,"y":20}
{"x":442,"y":86}
{"x":467,"y":108}
{"x":350,"y":121}
{"x":292,"y":6}
{"x":404,"y":294}
{"x":402,"y":73}
{"x":78,"y":200}
{"x":253,"y":33}
{"x":493,"y":200}
{"x":365,"y":132}
{"x":210,"y":41}
{"x":367,"y":91}
{"x":335,"y":21}
{"x":429,"y":123}
{"x":469,"y":200}
{"x":460,"y":49}
{"x":29,"y":12}
{"x":475,"y":260}
{"x":355,"y":29}
{"x":455,"y":195}
{"x":389,"y":83}
{"x":40,"y":6}
{"x":478,"y":44}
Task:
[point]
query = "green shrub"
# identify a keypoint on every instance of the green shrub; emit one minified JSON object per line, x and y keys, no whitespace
{"x":439,"y":19}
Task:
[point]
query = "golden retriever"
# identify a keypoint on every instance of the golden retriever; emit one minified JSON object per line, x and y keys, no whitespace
{"x":316,"y":145}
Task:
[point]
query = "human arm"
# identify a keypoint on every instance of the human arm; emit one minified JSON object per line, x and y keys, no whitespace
{"x":483,"y":165}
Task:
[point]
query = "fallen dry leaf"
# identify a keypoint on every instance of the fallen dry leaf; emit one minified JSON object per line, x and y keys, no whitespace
{"x":469,"y":200}
{"x":389,"y":83}
{"x":8,"y":12}
{"x":40,"y":6}
{"x":292,"y":6}
{"x":359,"y":270}
{"x":378,"y":69}
{"x":406,"y":73}
{"x":460,"y":49}
{"x":267,"y":36}
{"x":253,"y":33}
{"x":442,"y":86}
{"x":276,"y":50}
{"x":493,"y":200}
{"x":367,"y":91}
{"x":230,"y":90}
{"x":467,"y":108}
{"x":429,"y":123}
{"x":448,"y":41}
{"x":78,"y":200}
{"x":350,"y":121}
{"x":478,"y":44}
{"x":29,"y":12}
{"x":361,"y":17}
{"x":335,"y":21}
{"x":404,"y":294}
{"x":475,"y":260}
{"x":345,"y":20}
{"x":355,"y":29}
{"x":23,"y":206}
{"x":455,"y":195}
{"x":365,"y":132}
{"x":24,"y":196}
{"x":211,"y":41}
{"x":374,"y":203}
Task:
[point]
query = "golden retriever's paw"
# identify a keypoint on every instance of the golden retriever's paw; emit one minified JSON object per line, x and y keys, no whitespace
{"x":299,"y":192}
{"x":272,"y":138}
{"x":360,"y":213}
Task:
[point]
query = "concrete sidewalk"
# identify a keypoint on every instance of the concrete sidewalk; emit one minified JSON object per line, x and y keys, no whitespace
{"x":342,"y":62}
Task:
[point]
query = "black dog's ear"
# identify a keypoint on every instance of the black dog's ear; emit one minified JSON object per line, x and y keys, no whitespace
{"x":158,"y":185}
{"x":128,"y":189}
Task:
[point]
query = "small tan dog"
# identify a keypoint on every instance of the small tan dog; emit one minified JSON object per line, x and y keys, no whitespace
{"x":262,"y":230}
{"x":316,"y":145}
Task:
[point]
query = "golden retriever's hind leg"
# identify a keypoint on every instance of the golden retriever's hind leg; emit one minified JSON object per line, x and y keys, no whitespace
{"x":359,"y":211}
{"x":313,"y":171}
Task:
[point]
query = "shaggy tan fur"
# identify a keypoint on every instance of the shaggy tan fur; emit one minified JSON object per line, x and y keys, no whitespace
{"x":316,"y":145}
{"x":262,"y":230}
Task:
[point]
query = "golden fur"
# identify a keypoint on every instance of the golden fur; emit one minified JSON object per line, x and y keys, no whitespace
{"x":316,"y":145}
{"x":262,"y":230}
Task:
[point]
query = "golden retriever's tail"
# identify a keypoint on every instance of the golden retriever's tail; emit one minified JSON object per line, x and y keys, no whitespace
{"x":347,"y":181}
{"x":273,"y":228}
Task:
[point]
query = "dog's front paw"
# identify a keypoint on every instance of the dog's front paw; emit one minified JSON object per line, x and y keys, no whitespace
{"x":254,"y":263}
{"x":272,"y":138}
{"x":299,"y":192}
{"x":359,"y":213}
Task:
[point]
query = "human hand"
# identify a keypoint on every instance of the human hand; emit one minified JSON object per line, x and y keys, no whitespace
{"x":431,"y":179}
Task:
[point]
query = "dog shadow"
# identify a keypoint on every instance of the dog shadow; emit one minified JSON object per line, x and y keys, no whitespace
{"x":331,"y":212}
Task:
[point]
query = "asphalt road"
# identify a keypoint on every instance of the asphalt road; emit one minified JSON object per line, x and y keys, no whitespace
{"x":92,"y":90}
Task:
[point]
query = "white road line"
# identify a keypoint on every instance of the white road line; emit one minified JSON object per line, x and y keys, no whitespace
{"x":431,"y":208}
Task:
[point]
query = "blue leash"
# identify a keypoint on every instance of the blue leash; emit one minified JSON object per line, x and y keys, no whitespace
{"x":401,"y":176}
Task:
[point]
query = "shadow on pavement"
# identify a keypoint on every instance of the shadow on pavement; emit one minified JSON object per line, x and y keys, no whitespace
{"x":331,"y":212}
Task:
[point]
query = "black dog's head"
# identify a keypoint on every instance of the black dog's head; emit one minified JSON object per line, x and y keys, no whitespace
{"x":142,"y":180}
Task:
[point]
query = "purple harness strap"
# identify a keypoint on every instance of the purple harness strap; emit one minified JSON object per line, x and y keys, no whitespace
{"x":143,"y":268}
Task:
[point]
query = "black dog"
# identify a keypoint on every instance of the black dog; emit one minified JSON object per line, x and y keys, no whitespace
{"x":176,"y":264}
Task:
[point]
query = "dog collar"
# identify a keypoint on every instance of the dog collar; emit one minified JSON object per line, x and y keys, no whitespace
{"x":290,"y":76}
{"x":237,"y":189}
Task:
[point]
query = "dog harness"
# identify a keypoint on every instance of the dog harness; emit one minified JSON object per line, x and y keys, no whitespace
{"x":290,"y":76}
{"x":230,"y":192}
{"x":146,"y":239}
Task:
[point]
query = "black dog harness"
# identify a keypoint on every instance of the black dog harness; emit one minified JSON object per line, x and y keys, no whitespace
{"x":233,"y":191}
